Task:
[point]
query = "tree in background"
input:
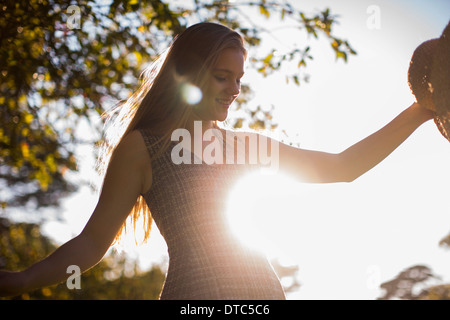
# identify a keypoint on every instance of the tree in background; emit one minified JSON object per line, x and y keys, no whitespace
{"x":62,"y":62}
{"x":416,"y":283}
{"x":115,"y":277}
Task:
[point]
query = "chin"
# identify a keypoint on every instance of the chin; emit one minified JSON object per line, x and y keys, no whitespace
{"x":222,"y":116}
{"x":221,"y":112}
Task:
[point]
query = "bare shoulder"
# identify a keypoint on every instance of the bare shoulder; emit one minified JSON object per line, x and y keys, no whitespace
{"x":256,"y":147}
{"x":132,"y":152}
{"x":132,"y":147}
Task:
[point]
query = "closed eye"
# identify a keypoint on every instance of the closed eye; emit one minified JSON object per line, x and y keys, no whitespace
{"x":221,"y":79}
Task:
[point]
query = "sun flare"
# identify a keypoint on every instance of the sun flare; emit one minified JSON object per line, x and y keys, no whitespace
{"x":260,"y":213}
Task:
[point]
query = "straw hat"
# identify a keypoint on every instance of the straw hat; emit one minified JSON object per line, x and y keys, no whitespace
{"x":429,"y":78}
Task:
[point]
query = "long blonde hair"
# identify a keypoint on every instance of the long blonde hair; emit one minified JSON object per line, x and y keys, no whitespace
{"x":158,"y":104}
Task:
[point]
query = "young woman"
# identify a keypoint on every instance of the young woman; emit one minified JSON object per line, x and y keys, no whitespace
{"x":187,"y":200}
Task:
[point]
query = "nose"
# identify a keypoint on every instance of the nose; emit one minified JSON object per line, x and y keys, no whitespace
{"x":234,"y":88}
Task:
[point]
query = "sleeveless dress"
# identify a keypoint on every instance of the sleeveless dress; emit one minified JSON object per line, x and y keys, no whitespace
{"x":206,"y":261}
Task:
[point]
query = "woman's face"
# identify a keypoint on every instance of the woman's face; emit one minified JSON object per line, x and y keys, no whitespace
{"x":223,"y":87}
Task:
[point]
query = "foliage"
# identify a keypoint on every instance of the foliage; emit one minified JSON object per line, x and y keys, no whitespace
{"x":403,"y":286}
{"x":62,"y":62}
{"x":115,"y":277}
{"x":414,"y":283}
{"x":445,"y":242}
{"x":438,"y":292}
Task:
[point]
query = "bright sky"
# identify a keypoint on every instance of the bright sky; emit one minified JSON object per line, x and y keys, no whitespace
{"x":345,"y":238}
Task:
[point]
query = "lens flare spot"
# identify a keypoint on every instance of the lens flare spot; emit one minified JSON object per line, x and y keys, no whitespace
{"x":191,"y":94}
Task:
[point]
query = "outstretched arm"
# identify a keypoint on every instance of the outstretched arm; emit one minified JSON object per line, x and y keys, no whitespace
{"x":314,"y":166}
{"x":129,"y":172}
{"x":366,"y":154}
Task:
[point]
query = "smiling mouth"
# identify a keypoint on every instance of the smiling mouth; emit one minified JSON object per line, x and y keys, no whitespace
{"x":225,"y":102}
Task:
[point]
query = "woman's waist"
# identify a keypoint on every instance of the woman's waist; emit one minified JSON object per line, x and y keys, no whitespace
{"x":216,"y":254}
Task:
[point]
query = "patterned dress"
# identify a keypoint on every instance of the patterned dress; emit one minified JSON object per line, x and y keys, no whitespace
{"x":206,"y":261}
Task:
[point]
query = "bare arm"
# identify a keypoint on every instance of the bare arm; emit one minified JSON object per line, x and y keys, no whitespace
{"x":128,"y":174}
{"x":314,"y":166}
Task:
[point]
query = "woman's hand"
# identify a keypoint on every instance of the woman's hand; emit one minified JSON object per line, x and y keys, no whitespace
{"x":11,"y":283}
{"x":426,"y":113}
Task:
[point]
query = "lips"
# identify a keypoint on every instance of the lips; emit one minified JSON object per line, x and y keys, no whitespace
{"x":224,"y":102}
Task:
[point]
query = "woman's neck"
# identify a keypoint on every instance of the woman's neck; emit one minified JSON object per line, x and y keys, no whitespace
{"x":194,"y":124}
